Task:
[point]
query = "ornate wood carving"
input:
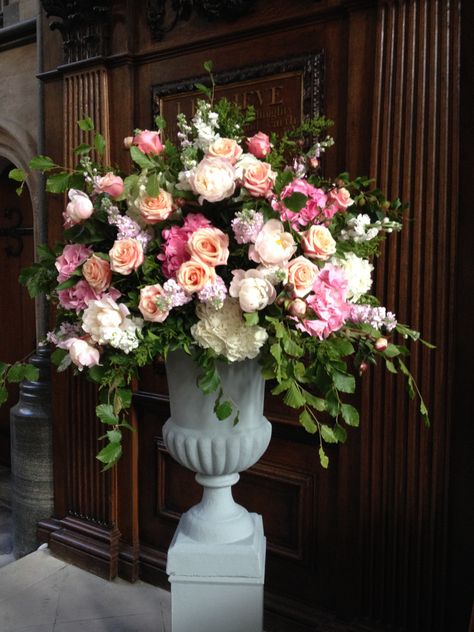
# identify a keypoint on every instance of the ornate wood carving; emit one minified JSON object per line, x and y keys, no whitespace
{"x":181,"y":10}
{"x":84,"y":26}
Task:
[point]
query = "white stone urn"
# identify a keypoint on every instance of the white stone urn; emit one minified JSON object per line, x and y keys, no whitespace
{"x":216,"y":450}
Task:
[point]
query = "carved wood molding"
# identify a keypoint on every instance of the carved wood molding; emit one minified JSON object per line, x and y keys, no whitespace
{"x":84,"y":26}
{"x":162,"y":18}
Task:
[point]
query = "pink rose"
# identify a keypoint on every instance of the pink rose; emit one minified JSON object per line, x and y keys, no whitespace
{"x":156,"y":209}
{"x":302,"y":273}
{"x":209,"y":245}
{"x":192,"y":276}
{"x":225,"y":148}
{"x":79,"y":208}
{"x":213,"y":179}
{"x":82,"y":353}
{"x":71,"y":258}
{"x":77,"y":297}
{"x":149,"y":142}
{"x":126,"y":255}
{"x":341,"y":198}
{"x":318,"y":243}
{"x":259,"y":145}
{"x":259,"y":179}
{"x":97,"y":273}
{"x":148,"y":304}
{"x":273,"y":246}
{"x":110,"y":184}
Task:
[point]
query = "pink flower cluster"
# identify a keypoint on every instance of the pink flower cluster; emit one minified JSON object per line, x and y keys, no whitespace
{"x":71,"y":258}
{"x":328,"y":301}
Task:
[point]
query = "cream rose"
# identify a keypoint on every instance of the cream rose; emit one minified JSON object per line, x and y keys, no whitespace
{"x":82,"y":353}
{"x":79,"y":208}
{"x":252,"y":289}
{"x":259,"y":179}
{"x":192,"y":276}
{"x":150,"y":306}
{"x":209,"y":245}
{"x":225,"y":148}
{"x":213,"y":179}
{"x":97,"y":273}
{"x":318,"y":243}
{"x":126,"y":256}
{"x":273,"y":246}
{"x":156,"y":209}
{"x":301,"y":274}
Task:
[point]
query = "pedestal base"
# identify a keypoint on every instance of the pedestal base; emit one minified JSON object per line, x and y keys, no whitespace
{"x":217,"y":587}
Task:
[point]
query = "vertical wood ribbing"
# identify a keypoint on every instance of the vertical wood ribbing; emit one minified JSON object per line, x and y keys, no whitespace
{"x":89,"y":491}
{"x":405,"y":466}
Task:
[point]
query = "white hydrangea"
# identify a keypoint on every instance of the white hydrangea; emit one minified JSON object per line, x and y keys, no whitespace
{"x":225,"y":332}
{"x":358,"y":272}
{"x":108,"y":322}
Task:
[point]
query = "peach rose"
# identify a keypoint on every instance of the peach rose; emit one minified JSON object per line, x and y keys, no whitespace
{"x":209,"y":245}
{"x":156,"y":209}
{"x":126,"y":256}
{"x":273,"y":247}
{"x":110,"y":183}
{"x":259,"y":145}
{"x":150,"y":307}
{"x":301,"y":274}
{"x":259,"y":179}
{"x":79,"y":208}
{"x":149,"y":142}
{"x":225,"y":148}
{"x":97,"y":273}
{"x":341,"y":198}
{"x":318,"y":243}
{"x":192,"y":276}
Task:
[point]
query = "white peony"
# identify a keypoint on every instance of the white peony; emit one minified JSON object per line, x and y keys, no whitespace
{"x":82,"y":353}
{"x":213,"y":179}
{"x":358,"y":272}
{"x":273,"y":246}
{"x":225,"y":332}
{"x":108,"y":322}
{"x":252,"y":289}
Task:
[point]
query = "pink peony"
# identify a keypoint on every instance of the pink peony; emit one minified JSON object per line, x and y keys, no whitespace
{"x":259,"y":145}
{"x":71,"y":258}
{"x":149,"y":142}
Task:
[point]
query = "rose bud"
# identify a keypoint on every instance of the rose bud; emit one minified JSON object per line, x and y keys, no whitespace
{"x":297,"y":307}
{"x":280,"y":301}
{"x":363,"y":366}
{"x":289,"y":288}
{"x":313,"y":162}
{"x":127,"y":142}
{"x":381,"y":344}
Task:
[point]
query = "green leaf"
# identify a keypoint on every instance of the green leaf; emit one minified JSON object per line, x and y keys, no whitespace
{"x":160,"y":122}
{"x":153,"y":185}
{"x":58,"y":356}
{"x":99,"y":144}
{"x":58,"y":183}
{"x":19,"y":372}
{"x":327,"y":433}
{"x":342,"y":346}
{"x":31,"y":373}
{"x":110,"y":454}
{"x":223,"y":410}
{"x":202,"y":88}
{"x":295,"y":202}
{"x":307,"y":422}
{"x":292,"y":348}
{"x":340,"y":433}
{"x":390,"y":366}
{"x":251,"y":318}
{"x":208,"y":65}
{"x":317,"y":403}
{"x":105,"y":413}
{"x":343,"y":381}
{"x":323,"y":459}
{"x":96,"y":373}
{"x":82,"y":149}
{"x":293,"y":396}
{"x":281,"y":387}
{"x":139,"y":157}
{"x":391,"y":351}
{"x":114,"y":436}
{"x":275,"y":350}
{"x":208,"y":381}
{"x":68,"y":283}
{"x":3,"y":395}
{"x":41,"y":163}
{"x":424,"y":413}
{"x":125,"y":395}
{"x":18,"y":175}
{"x":86,"y":124}
{"x":350,"y":415}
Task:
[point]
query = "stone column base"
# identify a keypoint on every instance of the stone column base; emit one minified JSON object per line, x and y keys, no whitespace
{"x":217,"y":587}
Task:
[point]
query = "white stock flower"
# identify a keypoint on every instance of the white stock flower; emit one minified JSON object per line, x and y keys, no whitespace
{"x":108,"y":322}
{"x":358,"y":273}
{"x":225,"y":332}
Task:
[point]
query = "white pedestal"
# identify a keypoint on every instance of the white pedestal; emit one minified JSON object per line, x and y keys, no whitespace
{"x":217,"y":587}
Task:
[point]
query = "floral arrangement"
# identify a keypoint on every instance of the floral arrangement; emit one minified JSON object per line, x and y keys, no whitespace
{"x":227,"y":247}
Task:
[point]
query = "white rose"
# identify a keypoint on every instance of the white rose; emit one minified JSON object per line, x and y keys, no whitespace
{"x":79,"y":208}
{"x":213,"y":179}
{"x":273,"y":246}
{"x":358,"y":273}
{"x":225,"y":332}
{"x":252,"y":289}
{"x":107,"y":322}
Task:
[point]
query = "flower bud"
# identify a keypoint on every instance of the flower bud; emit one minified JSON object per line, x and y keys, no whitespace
{"x":313,"y":162}
{"x":297,"y":307}
{"x":289,"y":288}
{"x":128,"y":142}
{"x":363,"y":366}
{"x":381,"y":344}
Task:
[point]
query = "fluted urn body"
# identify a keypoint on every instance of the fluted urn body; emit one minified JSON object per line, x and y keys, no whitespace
{"x":217,"y":450}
